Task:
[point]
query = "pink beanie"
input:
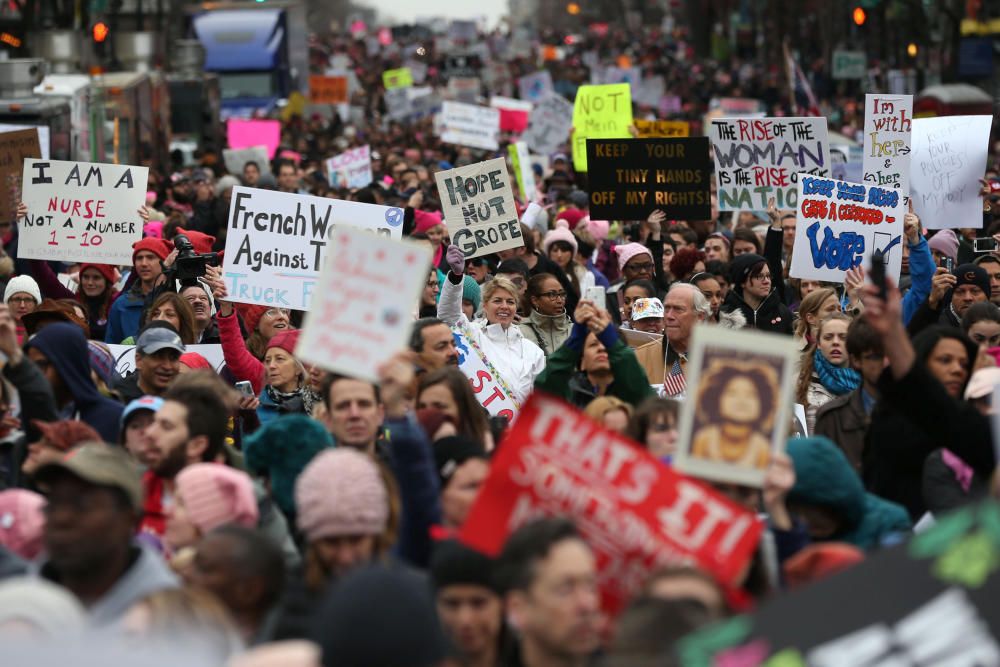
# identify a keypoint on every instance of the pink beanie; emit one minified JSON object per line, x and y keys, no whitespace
{"x":599,"y":229}
{"x":214,"y":495}
{"x":945,"y":242}
{"x":22,"y":522}
{"x":560,"y":233}
{"x":341,"y":493}
{"x":424,"y":220}
{"x":628,"y":251}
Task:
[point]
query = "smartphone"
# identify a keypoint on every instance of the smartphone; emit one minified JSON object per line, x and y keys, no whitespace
{"x":948,"y":263}
{"x":877,"y":273}
{"x":595,"y":294}
{"x":245,"y":388}
{"x":988,"y":244}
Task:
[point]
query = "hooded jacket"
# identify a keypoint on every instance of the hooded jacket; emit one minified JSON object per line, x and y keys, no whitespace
{"x":772,"y":314}
{"x":66,"y":349}
{"x":125,"y":315}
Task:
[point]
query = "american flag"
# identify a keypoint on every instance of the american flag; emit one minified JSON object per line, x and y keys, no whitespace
{"x":674,"y":383}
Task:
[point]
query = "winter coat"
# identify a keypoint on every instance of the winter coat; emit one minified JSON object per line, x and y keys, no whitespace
{"x":816,"y":397}
{"x":824,"y":478}
{"x":563,"y":378}
{"x":772,"y":314}
{"x":844,"y":421}
{"x":950,"y":484}
{"x":548,"y":332}
{"x":125,"y":315}
{"x":243,"y":365}
{"x":517,"y":360}
{"x":921,"y":272}
{"x":52,"y":288}
{"x":270,"y":409}
{"x":733,"y":320}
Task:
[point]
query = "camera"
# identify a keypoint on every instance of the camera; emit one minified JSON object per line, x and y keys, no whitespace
{"x":190,"y":265}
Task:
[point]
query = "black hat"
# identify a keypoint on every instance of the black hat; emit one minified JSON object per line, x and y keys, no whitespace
{"x":972,"y":274}
{"x":453,"y":451}
{"x":453,"y":563}
{"x":514,"y":265}
{"x":741,"y":266}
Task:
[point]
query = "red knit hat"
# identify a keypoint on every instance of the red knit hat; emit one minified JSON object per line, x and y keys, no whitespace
{"x":158,"y":247}
{"x":251,"y":315}
{"x":202,"y":242}
{"x":571,"y":216}
{"x":195,"y":361}
{"x":106,"y":270}
{"x":286,"y":340}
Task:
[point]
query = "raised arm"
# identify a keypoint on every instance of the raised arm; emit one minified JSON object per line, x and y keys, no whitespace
{"x":449,"y":308}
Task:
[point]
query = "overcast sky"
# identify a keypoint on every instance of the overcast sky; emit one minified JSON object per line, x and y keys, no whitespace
{"x":408,"y":10}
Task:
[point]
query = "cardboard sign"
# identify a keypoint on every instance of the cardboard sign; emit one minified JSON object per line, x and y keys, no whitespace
{"x":397,"y":78}
{"x":361,"y":316}
{"x":242,"y":133}
{"x":841,"y":224}
{"x":488,"y":385}
{"x":849,"y":64}
{"x":43,"y":136}
{"x":125,"y":356}
{"x":478,"y":206}
{"x":929,"y":602}
{"x":736,"y":413}
{"x":654,"y":129}
{"x":513,"y":113}
{"x":470,"y":125}
{"x":756,"y":159}
{"x":520,"y":161}
{"x":81,"y":211}
{"x":629,"y":178}
{"x":237,"y":158}
{"x":351,"y":169}
{"x":886,"y":160}
{"x":328,"y":89}
{"x":549,"y":124}
{"x":948,"y":159}
{"x":600,"y":112}
{"x":465,"y":88}
{"x":535,"y":87}
{"x":636,"y":513}
{"x":277,"y":241}
{"x":15,"y":146}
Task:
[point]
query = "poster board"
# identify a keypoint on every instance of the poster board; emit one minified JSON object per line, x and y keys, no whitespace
{"x":401,"y":77}
{"x":600,"y":112}
{"x":488,"y":385}
{"x":520,"y":162}
{"x":15,"y":146}
{"x":237,"y":158}
{"x":887,"y":141}
{"x":328,"y":89}
{"x":243,"y":133}
{"x":351,"y":169}
{"x":549,"y":124}
{"x":478,"y":206}
{"x":470,"y":125}
{"x":652,"y":129}
{"x":536,"y":86}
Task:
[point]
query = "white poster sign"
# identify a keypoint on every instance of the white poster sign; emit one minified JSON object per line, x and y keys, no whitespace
{"x":125,"y":356}
{"x":470,"y":125}
{"x":237,"y":158}
{"x":478,"y":206}
{"x":351,"y":169}
{"x":549,"y":124}
{"x":534,"y":87}
{"x":888,"y":126}
{"x":81,"y":211}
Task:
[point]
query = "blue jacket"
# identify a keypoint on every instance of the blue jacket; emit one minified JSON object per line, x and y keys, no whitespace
{"x":412,"y":463}
{"x":921,"y":271}
{"x":65,"y":346}
{"x":124,"y":316}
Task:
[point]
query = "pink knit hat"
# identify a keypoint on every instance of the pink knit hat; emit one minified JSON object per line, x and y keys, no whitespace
{"x":599,"y":229}
{"x":424,"y":220}
{"x":560,"y":233}
{"x":214,"y":495}
{"x":628,"y":251}
{"x":946,"y":243}
{"x":341,"y":493}
{"x":22,"y":522}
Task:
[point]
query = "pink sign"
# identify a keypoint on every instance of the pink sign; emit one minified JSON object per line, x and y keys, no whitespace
{"x":242,"y":133}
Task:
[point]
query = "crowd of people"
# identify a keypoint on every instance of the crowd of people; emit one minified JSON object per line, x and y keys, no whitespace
{"x":268,"y":512}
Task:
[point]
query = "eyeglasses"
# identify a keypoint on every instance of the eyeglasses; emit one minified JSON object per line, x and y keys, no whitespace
{"x":764,"y":277}
{"x":21,"y":299}
{"x":554,"y":294}
{"x":277,"y":312}
{"x":648,"y":266}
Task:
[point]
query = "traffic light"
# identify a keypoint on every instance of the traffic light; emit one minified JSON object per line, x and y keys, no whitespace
{"x":573,"y":9}
{"x":859,"y":16}
{"x":100,"y":32}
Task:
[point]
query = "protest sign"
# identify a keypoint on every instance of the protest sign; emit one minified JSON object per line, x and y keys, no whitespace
{"x":849,"y":64}
{"x":81,"y":211}
{"x":328,"y":89}
{"x":929,"y":602}
{"x":276,"y":242}
{"x":534,"y":87}
{"x":600,"y":112}
{"x":520,"y":160}
{"x":488,"y":385}
{"x":613,"y":74}
{"x":242,"y":133}
{"x":948,"y":158}
{"x":236,"y":159}
{"x":653,"y":129}
{"x":43,"y":136}
{"x":462,"y":30}
{"x":738,"y":411}
{"x":840,"y":225}
{"x":464,"y":89}
{"x":756,"y":159}
{"x":351,"y":169}
{"x":629,"y":178}
{"x":478,"y":207}
{"x":470,"y":125}
{"x":462,"y":65}
{"x":886,"y":161}
{"x":649,"y":91}
{"x":361,"y":314}
{"x":549,"y":124}
{"x":400,"y":77}
{"x":513,"y":113}
{"x":15,"y":146}
{"x":418,"y":71}
{"x":125,"y":356}
{"x":636,"y":513}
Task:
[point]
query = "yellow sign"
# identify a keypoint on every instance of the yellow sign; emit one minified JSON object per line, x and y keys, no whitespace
{"x":600,"y":112}
{"x":656,"y":129}
{"x":296,"y":106}
{"x":397,"y":78}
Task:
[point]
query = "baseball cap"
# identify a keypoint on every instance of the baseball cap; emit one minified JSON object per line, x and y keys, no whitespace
{"x":154,"y":339}
{"x":100,"y":465}
{"x":151,"y":403}
{"x":643,"y":309}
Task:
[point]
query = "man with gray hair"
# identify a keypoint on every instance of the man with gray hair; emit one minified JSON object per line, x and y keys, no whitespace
{"x":683,"y":308}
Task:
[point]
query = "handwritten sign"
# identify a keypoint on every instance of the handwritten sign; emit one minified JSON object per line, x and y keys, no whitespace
{"x":841,"y":224}
{"x":651,"y":129}
{"x":520,"y":161}
{"x":536,"y":86}
{"x":361,"y":316}
{"x":756,"y":159}
{"x":600,"y":112}
{"x":636,"y":513}
{"x":242,"y":133}
{"x":948,"y":159}
{"x":44,"y":136}
{"x":277,"y":241}
{"x":478,"y":206}
{"x":237,"y":158}
{"x":629,"y":178}
{"x":470,"y":125}
{"x":513,"y":113}
{"x":464,"y":88}
{"x":351,"y":169}
{"x":488,"y":385}
{"x":886,"y":158}
{"x":397,"y":78}
{"x":81,"y":211}
{"x":15,"y":146}
{"x":328,"y":89}
{"x":549,"y":124}
{"x":125,"y":356}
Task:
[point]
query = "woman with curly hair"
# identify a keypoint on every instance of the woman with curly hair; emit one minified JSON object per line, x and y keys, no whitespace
{"x":686,"y":263}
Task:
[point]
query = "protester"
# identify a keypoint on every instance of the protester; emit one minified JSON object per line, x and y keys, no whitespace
{"x":610,"y":412}
{"x":206,"y":329}
{"x":647,"y":316}
{"x":548,"y":324}
{"x":57,"y":438}
{"x":136,"y":418}
{"x":433,"y":342}
{"x":157,"y":362}
{"x":684,"y":307}
{"x":654,"y":425}
{"x":126,"y":311}
{"x":462,"y":466}
{"x":753,"y":293}
{"x":818,"y":305}
{"x":561,"y":246}
{"x":208,"y":495}
{"x":634,"y":289}
{"x":713,"y":292}
{"x":287,"y":390}
{"x":981,"y":323}
{"x":951,"y":294}
{"x":990,"y":264}
{"x":447,"y":390}
{"x":22,"y":296}
{"x":825,"y":370}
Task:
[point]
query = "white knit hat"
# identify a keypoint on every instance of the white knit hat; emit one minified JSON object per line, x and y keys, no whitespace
{"x":24,"y":284}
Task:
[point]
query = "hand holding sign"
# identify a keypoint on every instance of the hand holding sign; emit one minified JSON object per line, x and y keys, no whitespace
{"x":456,"y":260}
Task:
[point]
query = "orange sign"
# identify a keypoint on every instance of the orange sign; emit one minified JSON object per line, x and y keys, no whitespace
{"x":328,"y":89}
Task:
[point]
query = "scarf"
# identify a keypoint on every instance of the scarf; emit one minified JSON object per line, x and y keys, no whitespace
{"x":835,"y":379}
{"x":301,"y":400}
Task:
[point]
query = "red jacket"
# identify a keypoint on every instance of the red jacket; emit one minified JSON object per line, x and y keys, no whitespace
{"x":242,"y":364}
{"x":154,"y":518}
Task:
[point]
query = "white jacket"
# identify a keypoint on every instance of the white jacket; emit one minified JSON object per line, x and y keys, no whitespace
{"x":517,"y":359}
